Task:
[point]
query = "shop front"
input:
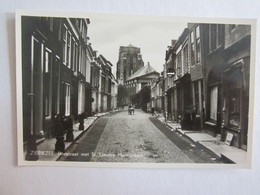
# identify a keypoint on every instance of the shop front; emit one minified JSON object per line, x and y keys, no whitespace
{"x":235,"y":102}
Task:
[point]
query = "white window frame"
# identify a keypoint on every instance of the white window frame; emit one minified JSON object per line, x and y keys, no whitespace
{"x":67,"y":99}
{"x":72,"y":56}
{"x":69,"y":49}
{"x":197,"y":45}
{"x":64,"y":40}
{"x":192,"y":45}
{"x":76,"y":56}
{"x":47,"y":109}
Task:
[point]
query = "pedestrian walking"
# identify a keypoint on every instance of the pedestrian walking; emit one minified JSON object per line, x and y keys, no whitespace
{"x":152,"y":111}
{"x":132,"y":110}
{"x":60,"y":131}
{"x":129,"y":110}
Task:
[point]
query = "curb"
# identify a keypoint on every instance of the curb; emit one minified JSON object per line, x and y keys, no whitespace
{"x":84,"y":131}
{"x":198,"y":144}
{"x":77,"y":138}
{"x":201,"y":146}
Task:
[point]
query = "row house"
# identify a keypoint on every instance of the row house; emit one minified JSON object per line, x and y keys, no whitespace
{"x":61,"y":75}
{"x":55,"y":72}
{"x":177,"y":85}
{"x":226,"y":70}
{"x":105,"y":83}
{"x":207,"y":87}
{"x":95,"y":80}
{"x":196,"y":72}
{"x":75,"y":72}
{"x":156,"y":94}
{"x":102,"y":83}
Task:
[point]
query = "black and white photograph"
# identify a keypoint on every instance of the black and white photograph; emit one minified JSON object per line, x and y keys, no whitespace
{"x":134,"y":91}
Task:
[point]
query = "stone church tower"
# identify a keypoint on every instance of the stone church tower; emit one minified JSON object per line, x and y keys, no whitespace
{"x":129,"y":61}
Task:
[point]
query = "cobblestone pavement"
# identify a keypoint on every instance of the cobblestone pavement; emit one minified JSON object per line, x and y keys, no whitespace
{"x":121,"y":137}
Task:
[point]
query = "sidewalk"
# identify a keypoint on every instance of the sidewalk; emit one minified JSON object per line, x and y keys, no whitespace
{"x":48,"y":145}
{"x":229,"y":153}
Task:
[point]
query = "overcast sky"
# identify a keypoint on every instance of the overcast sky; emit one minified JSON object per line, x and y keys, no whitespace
{"x":153,"y":36}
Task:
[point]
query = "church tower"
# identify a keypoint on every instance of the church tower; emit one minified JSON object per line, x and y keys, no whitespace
{"x":129,"y":61}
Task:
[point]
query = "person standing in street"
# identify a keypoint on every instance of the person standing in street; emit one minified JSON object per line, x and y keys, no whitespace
{"x":152,"y":111}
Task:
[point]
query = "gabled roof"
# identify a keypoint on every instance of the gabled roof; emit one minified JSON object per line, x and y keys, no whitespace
{"x":142,"y":71}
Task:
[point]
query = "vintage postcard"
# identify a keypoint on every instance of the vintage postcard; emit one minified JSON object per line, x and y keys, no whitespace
{"x":134,"y":91}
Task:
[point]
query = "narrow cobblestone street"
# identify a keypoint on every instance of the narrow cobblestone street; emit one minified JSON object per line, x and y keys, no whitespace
{"x":120,"y":137}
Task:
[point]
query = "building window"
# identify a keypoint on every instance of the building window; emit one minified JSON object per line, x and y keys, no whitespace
{"x":179,"y":65}
{"x":220,"y":32}
{"x":47,"y":83}
{"x":234,"y":101}
{"x":192,"y":48}
{"x":83,"y":31}
{"x":213,"y":35}
{"x":174,"y":67}
{"x":68,"y":49}
{"x":85,"y":63}
{"x":47,"y":61}
{"x":57,"y":83}
{"x":79,"y":58}
{"x":72,"y":58}
{"x":85,"y":35}
{"x":185,"y":59}
{"x":88,"y":70}
{"x":64,"y":42}
{"x":97,"y":77}
{"x":216,"y":36}
{"x":198,"y":51}
{"x":213,"y":103}
{"x":82,"y":61}
{"x":67,"y":99}
{"x":51,"y":23}
{"x":92,"y":76}
{"x":76,"y":57}
{"x":103,"y":82}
